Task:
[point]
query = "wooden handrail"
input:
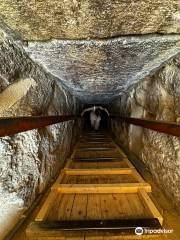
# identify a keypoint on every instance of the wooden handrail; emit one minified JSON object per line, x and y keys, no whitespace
{"x":171,"y":128}
{"x":13,"y":125}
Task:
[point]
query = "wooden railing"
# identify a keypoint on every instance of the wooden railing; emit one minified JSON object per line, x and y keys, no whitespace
{"x":171,"y":128}
{"x":13,"y":125}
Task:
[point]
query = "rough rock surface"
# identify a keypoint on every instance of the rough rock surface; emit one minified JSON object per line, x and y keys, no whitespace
{"x":158,"y":98}
{"x":96,"y":71}
{"x":77,"y":19}
{"x":29,"y":161}
{"x":99,"y":70}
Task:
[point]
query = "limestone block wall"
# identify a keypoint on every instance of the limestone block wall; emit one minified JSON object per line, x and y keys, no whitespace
{"x":158,"y":98}
{"x":77,"y":19}
{"x":29,"y":161}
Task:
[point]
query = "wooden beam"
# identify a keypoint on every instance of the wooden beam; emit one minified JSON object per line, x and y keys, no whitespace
{"x":129,"y":163}
{"x":105,"y":149}
{"x":149,"y":205}
{"x":95,"y":171}
{"x":96,"y":138}
{"x":103,"y":188}
{"x":125,"y":225}
{"x":42,"y":214}
{"x":98,"y":159}
{"x":13,"y":125}
{"x":171,"y":128}
{"x":119,"y":149}
{"x":86,"y":145}
{"x":137,"y":176}
{"x":68,"y":163}
{"x":83,"y":140}
{"x":60,"y":177}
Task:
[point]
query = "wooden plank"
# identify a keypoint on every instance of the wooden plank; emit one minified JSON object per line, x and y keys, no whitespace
{"x":103,"y":136}
{"x":98,"y":159}
{"x":103,"y":188}
{"x":75,"y":238}
{"x":46,"y":206}
{"x":107,"y":208}
{"x":101,"y":171}
{"x":148,"y":203}
{"x":90,"y":145}
{"x":79,"y":209}
{"x":119,"y":149}
{"x":53,"y":211}
{"x":45,"y":238}
{"x":99,"y":179}
{"x":122,"y":206}
{"x":115,"y":237}
{"x":84,"y":149}
{"x":137,"y":206}
{"x":94,"y":138}
{"x":120,"y":164}
{"x":129,"y":163}
{"x":83,"y":165}
{"x":97,"y":154}
{"x":89,"y":141}
{"x":65,"y":179}
{"x":55,"y":187}
{"x":65,"y":208}
{"x":61,"y":176}
{"x":137,"y":176}
{"x":94,"y":207}
{"x":94,"y":238}
{"x":99,"y":139}
{"x":69,"y":162}
{"x":100,"y":132}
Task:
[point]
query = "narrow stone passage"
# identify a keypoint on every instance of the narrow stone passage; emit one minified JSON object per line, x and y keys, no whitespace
{"x":60,"y":58}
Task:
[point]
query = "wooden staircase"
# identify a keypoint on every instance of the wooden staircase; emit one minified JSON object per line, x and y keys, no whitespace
{"x":98,"y":195}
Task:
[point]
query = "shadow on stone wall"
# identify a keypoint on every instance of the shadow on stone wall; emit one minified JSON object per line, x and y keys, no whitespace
{"x":158,"y":98}
{"x":31,"y":160}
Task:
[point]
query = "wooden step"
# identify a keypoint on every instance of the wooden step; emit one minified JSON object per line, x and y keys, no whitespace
{"x":99,"y":176}
{"x":98,"y":159}
{"x":101,"y":188}
{"x":98,"y":193}
{"x":101,"y":171}
{"x":95,"y":141}
{"x":110,"y":154}
{"x":82,"y":149}
{"x":97,"y":164}
{"x":101,"y":145}
{"x":95,"y":138}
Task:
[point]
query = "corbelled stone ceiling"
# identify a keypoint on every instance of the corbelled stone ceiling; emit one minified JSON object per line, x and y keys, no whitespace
{"x":97,"y":49}
{"x":99,"y":70}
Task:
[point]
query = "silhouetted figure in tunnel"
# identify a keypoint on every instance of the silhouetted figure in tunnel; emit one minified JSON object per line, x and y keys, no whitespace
{"x":95,"y":115}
